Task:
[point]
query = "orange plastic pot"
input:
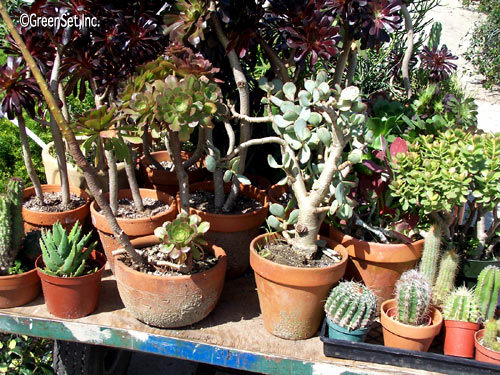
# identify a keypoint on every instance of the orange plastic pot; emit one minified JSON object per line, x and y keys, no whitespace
{"x":404,"y":336}
{"x":170,"y":301}
{"x":459,"y":338}
{"x":292,"y":298}
{"x":34,"y":220}
{"x":484,"y":354}
{"x":18,"y":290}
{"x":233,"y":232}
{"x":134,"y":228}
{"x":72,"y":297}
{"x":164,"y":180}
{"x":378,"y":265}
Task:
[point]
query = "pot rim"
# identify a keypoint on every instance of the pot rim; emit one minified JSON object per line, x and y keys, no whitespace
{"x":30,"y":191}
{"x":100,"y":258}
{"x":483,"y":349}
{"x":18,"y":275}
{"x":460,"y":324}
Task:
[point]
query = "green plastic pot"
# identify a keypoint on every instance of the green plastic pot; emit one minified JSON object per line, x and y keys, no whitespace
{"x":340,"y":333}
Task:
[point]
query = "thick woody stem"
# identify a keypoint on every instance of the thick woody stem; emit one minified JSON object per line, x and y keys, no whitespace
{"x":217,"y":174}
{"x":481,"y":233}
{"x":351,"y":68}
{"x":113,"y":181}
{"x":342,"y":61}
{"x":147,"y":151}
{"x":200,"y":146}
{"x":132,"y":180}
{"x":409,"y":49}
{"x":175,"y":154}
{"x":230,"y":136}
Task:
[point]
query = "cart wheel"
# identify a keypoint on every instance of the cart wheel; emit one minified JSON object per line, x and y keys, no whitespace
{"x":73,"y":358}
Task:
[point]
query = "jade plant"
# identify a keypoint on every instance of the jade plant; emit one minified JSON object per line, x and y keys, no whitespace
{"x":487,"y":289}
{"x":64,"y":254}
{"x":351,"y":305}
{"x":181,"y":241}
{"x":461,"y":305}
{"x":491,"y":337}
{"x":413,"y":298}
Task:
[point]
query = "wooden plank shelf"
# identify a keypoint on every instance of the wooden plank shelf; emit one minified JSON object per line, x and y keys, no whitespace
{"x":233,"y":335}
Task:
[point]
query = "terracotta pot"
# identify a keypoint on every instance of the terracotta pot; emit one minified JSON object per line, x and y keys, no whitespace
{"x":404,"y":336}
{"x":72,"y":297}
{"x":170,"y":301}
{"x":34,"y":220}
{"x":134,"y":228}
{"x":233,"y":232}
{"x":275,"y":192}
{"x":484,"y":354}
{"x":459,"y":338}
{"x":260,"y":182}
{"x":378,"y":265}
{"x":167,"y":181}
{"x":18,"y":290}
{"x":292,"y":298}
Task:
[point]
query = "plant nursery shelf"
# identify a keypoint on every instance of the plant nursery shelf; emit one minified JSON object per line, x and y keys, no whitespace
{"x":233,"y":335}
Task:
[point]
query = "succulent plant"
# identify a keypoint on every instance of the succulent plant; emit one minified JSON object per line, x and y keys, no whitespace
{"x":431,"y":253}
{"x":351,"y":305}
{"x":448,"y":268}
{"x":63,"y":254}
{"x":487,"y":289}
{"x":413,"y":297}
{"x":461,"y":305}
{"x":438,"y":62}
{"x":491,"y":338}
{"x":182,"y":238}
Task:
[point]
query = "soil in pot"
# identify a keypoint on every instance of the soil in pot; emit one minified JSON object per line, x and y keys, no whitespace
{"x":171,"y":301}
{"x":459,"y":338}
{"x":128,"y":210}
{"x":204,"y":201}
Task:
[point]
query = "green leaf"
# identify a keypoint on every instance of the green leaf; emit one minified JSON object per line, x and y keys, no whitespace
{"x":203,"y":227}
{"x":304,"y":154}
{"x":273,"y":222}
{"x":281,"y":122}
{"x":272,"y":162}
{"x":293,"y":217}
{"x":244,"y":180}
{"x":289,"y":90}
{"x":277,"y":210}
{"x":355,"y":156}
{"x":290,"y":116}
{"x":310,"y":85}
{"x":211,"y":163}
{"x":315,"y":119}
{"x":228,"y":175}
{"x":324,"y":136}
{"x":299,"y":126}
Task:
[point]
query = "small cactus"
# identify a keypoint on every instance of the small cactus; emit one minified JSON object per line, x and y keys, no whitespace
{"x":445,"y":281}
{"x":430,"y":256}
{"x":488,"y":286}
{"x":351,"y":305}
{"x":15,"y":188}
{"x":461,"y":305}
{"x":490,"y":334}
{"x":413,"y":296}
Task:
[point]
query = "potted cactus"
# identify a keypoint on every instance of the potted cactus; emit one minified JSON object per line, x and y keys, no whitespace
{"x":19,"y":282}
{"x":487,"y":342}
{"x":184,"y":280}
{"x":350,"y":309}
{"x":487,"y":291}
{"x":409,"y":321}
{"x":70,"y":273}
{"x":461,"y":315}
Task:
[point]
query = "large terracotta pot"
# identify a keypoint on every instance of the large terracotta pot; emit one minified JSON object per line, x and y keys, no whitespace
{"x":34,"y":220}
{"x":404,"y":336}
{"x":484,"y":354}
{"x":292,"y":298}
{"x":134,"y":228}
{"x":170,"y":301}
{"x":17,"y":290}
{"x":72,"y":297}
{"x":164,"y":180}
{"x":459,"y":338}
{"x":378,"y":265}
{"x":233,"y":232}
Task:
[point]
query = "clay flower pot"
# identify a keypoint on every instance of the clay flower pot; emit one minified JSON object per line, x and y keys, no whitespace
{"x":459,"y":338}
{"x":170,"y":301}
{"x":378,"y":265}
{"x":292,"y":298}
{"x":404,"y":336}
{"x":260,"y":182}
{"x":34,"y":220}
{"x":166,"y":181}
{"x":18,"y":290}
{"x":72,"y":297}
{"x":484,"y":354}
{"x":233,"y":232}
{"x":134,"y":228}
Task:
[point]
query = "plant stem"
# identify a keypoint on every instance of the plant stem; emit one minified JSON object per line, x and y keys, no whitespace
{"x":147,"y":152}
{"x":175,"y":154}
{"x":351,"y":69}
{"x":132,"y":180}
{"x":198,"y":153}
{"x":409,"y":49}
{"x":342,"y":60}
{"x":113,"y":181}
{"x":217,"y":174}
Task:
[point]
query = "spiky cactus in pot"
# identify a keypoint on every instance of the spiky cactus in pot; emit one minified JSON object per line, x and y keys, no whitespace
{"x":461,"y":305}
{"x":413,"y":297}
{"x":488,"y":287}
{"x":490,"y":338}
{"x":448,"y":268}
{"x":351,"y":305}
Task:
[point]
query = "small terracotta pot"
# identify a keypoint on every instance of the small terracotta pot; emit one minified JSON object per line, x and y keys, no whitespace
{"x":484,"y":354}
{"x":72,"y":297}
{"x":134,"y":228}
{"x":292,"y":298}
{"x":164,"y":180}
{"x":170,"y":301}
{"x":34,"y":220}
{"x":459,"y":338}
{"x":233,"y":232}
{"x":378,"y":265}
{"x":18,"y":290}
{"x":404,"y":336}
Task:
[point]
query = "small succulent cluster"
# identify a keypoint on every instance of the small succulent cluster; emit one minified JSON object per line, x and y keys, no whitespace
{"x":413,"y":296}
{"x":438,"y":62}
{"x":63,"y":254}
{"x":351,"y":305}
{"x":487,"y":289}
{"x":491,"y":338}
{"x":182,"y":238}
{"x":11,"y":224}
{"x":461,"y":305}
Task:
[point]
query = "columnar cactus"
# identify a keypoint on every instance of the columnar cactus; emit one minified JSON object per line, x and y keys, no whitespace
{"x":63,"y":254}
{"x":461,"y":305}
{"x":15,"y":188}
{"x":488,"y":286}
{"x":351,"y":305}
{"x":430,"y":256}
{"x":445,"y":281}
{"x":490,"y":338}
{"x":413,"y":296}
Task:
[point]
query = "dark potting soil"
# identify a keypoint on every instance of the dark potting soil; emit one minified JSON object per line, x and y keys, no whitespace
{"x":53,"y":202}
{"x":127,"y":209}
{"x":284,"y":198}
{"x":169,"y":166}
{"x":279,"y":251}
{"x":153,"y":254}
{"x":204,"y":201}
